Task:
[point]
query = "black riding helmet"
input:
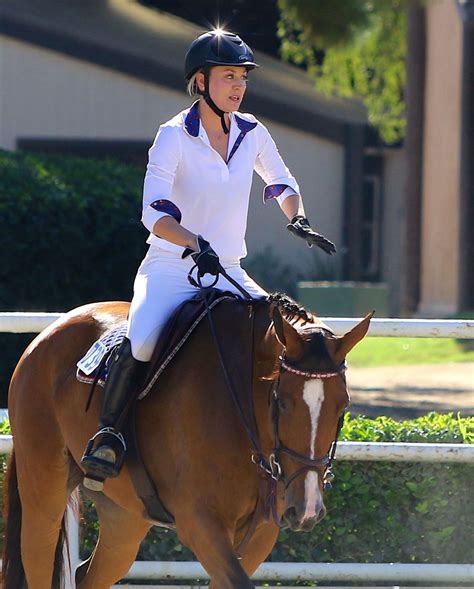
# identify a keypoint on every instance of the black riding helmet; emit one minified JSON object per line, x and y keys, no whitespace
{"x":216,"y":48}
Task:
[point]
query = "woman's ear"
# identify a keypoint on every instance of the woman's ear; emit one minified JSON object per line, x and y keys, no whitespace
{"x":200,"y":81}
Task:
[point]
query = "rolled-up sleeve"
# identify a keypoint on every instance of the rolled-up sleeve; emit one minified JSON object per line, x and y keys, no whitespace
{"x":269,"y":165}
{"x":163,"y":158}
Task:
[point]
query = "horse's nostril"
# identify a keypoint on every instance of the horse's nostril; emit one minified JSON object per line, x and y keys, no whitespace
{"x":290,"y":515}
{"x":321,"y":513}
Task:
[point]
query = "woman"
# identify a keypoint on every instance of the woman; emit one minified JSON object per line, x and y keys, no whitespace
{"x":195,"y":204}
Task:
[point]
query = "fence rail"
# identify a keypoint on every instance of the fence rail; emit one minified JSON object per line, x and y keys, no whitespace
{"x":371,"y":451}
{"x":352,"y":572}
{"x":460,"y":329}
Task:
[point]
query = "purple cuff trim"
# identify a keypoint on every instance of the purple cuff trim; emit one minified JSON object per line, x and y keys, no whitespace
{"x":166,"y":206}
{"x":273,"y":191}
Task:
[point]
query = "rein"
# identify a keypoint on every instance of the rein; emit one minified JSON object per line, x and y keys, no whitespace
{"x":271,"y":466}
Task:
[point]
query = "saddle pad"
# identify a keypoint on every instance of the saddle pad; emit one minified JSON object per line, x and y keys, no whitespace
{"x":88,"y":365}
{"x":180,"y":326}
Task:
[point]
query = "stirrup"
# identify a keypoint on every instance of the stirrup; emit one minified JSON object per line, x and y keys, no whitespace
{"x":103,"y":457}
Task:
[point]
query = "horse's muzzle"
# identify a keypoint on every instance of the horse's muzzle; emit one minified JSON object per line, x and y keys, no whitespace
{"x":295,"y":519}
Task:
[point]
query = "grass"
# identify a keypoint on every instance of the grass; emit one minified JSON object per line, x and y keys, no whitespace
{"x":388,"y":351}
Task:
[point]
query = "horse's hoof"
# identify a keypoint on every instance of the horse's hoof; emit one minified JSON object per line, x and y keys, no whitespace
{"x":93,"y":484}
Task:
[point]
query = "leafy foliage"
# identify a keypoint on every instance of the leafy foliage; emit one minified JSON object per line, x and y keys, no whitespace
{"x":62,"y":219}
{"x":71,"y":234}
{"x":326,"y":22}
{"x":424,"y":512}
{"x":352,"y":48}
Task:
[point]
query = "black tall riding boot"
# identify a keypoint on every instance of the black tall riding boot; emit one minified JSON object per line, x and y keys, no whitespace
{"x":105,"y":451}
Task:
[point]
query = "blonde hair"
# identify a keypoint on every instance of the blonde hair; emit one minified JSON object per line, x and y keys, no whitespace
{"x":192,"y":87}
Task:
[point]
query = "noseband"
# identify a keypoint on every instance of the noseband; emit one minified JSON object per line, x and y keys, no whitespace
{"x":279,"y":448}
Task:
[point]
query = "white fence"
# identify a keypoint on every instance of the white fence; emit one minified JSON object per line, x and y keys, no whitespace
{"x":397,"y":572}
{"x":34,"y":322}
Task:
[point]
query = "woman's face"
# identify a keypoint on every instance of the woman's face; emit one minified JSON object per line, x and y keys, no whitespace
{"x":227,"y":85}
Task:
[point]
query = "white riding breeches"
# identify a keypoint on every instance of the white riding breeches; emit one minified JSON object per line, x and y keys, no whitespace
{"x":161,"y":285}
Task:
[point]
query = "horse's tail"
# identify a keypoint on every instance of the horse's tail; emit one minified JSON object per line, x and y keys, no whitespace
{"x":13,"y":573}
{"x":62,"y":550}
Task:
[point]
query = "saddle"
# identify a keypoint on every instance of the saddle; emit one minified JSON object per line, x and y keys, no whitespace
{"x":93,"y":368}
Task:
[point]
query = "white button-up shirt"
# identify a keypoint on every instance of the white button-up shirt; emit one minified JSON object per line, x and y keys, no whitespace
{"x":187,"y":179}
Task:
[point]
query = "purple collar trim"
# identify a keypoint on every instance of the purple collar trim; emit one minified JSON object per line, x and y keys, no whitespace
{"x":191,"y":122}
{"x":243,"y":125}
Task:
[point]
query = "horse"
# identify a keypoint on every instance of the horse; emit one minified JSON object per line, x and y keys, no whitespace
{"x":209,"y":450}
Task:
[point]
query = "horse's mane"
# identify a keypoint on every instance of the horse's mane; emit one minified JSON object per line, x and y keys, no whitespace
{"x":290,"y":309}
{"x":293,"y":313}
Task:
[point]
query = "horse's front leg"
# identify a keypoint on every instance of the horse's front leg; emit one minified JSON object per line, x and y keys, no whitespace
{"x":259,"y":546}
{"x":211,"y":541}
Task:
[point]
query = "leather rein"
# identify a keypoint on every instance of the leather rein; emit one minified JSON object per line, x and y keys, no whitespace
{"x":270,"y":466}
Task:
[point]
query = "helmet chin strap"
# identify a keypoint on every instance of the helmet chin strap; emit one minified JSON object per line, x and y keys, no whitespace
{"x":207,"y":97}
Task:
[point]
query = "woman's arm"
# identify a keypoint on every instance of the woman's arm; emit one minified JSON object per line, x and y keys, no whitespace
{"x":168,"y":228}
{"x":292,"y":206}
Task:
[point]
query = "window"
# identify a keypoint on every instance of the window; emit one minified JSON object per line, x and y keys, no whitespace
{"x":370,"y":227}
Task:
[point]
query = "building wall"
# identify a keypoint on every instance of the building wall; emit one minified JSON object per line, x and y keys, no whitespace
{"x":45,"y":94}
{"x":441,"y":183}
{"x":49,"y":95}
{"x":394,"y":181}
{"x":318,"y":165}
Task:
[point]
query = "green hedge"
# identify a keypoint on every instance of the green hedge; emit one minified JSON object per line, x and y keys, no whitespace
{"x":377,"y":511}
{"x":71,"y":234}
{"x":71,"y":228}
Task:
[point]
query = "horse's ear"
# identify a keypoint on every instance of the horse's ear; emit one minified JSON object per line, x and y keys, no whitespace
{"x":287,"y":335}
{"x":353,"y":337}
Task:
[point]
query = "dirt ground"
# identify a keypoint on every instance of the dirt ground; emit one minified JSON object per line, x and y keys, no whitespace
{"x":406,"y":392}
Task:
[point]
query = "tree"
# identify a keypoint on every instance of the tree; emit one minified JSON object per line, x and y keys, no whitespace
{"x":352,"y":48}
{"x":255,"y":21}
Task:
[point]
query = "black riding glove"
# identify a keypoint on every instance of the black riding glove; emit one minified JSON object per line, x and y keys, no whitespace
{"x":205,"y":258}
{"x":300,"y":226}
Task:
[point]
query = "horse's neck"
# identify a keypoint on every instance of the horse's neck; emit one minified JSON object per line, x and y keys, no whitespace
{"x":267,"y":352}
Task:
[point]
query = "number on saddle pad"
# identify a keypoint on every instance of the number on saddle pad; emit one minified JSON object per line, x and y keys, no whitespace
{"x":93,"y":358}
{"x":99,"y":348}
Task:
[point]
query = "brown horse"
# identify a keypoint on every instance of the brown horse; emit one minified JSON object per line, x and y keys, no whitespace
{"x":191,"y":436}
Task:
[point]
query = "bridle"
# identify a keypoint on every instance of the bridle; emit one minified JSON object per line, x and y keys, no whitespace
{"x":270,"y":466}
{"x":279,"y":448}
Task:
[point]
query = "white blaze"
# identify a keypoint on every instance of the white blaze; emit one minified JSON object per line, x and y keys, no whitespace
{"x":313,"y":395}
